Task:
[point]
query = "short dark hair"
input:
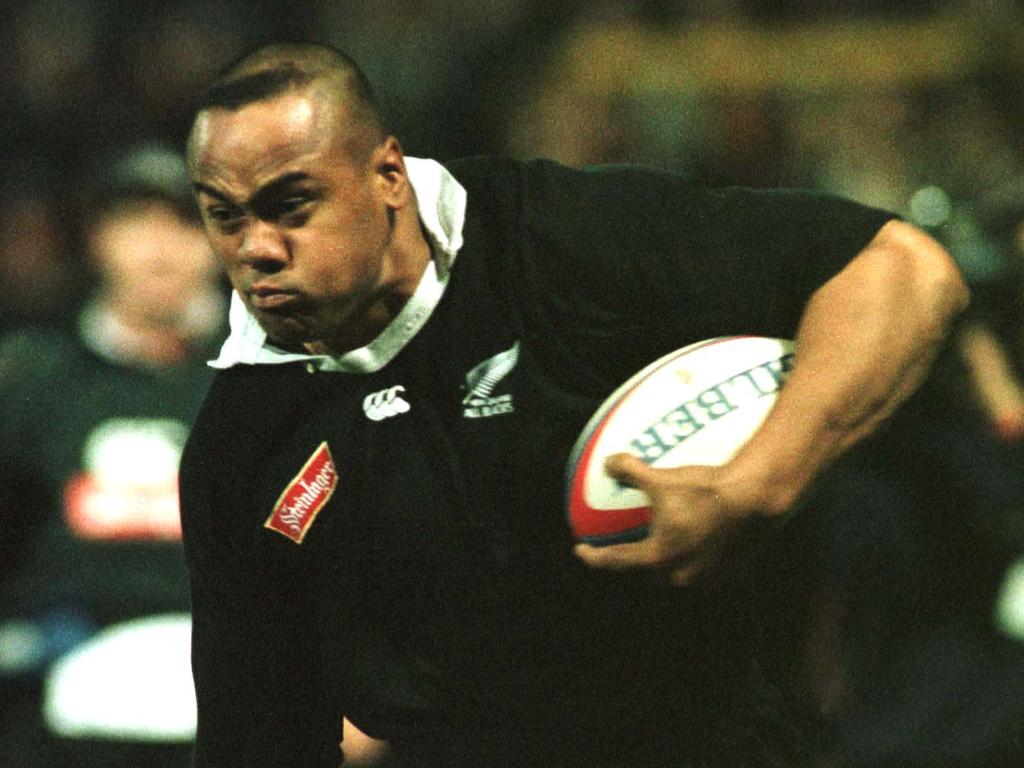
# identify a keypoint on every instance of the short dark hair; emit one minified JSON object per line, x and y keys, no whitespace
{"x":273,"y":69}
{"x":140,"y":173}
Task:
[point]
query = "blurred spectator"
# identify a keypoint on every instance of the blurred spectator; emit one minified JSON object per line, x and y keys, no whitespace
{"x":448,"y":65}
{"x":899,"y":563}
{"x":916,"y":626}
{"x":94,"y":630}
{"x":855,"y":144}
{"x":42,"y":283}
{"x":992,"y":339}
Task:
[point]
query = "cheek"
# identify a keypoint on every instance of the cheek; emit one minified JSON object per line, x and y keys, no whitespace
{"x":223,"y":257}
{"x":339,"y":262}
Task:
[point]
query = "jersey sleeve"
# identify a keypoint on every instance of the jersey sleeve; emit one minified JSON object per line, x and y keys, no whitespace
{"x":748,"y":261}
{"x":256,"y":661}
{"x":638,"y":247}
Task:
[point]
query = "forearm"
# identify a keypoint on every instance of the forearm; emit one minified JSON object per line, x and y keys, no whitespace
{"x":990,"y":370}
{"x":866,"y":341}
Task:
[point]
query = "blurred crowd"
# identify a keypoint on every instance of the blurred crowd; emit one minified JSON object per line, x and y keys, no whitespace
{"x":522,"y":77}
{"x":910,"y":622}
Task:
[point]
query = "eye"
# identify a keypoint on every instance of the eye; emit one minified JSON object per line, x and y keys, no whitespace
{"x":293,"y":203}
{"x":221,"y":213}
{"x":224,"y":217}
{"x":295,"y":209}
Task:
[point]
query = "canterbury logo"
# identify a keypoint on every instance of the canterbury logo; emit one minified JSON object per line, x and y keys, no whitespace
{"x":385,"y":404}
{"x":481,"y":381}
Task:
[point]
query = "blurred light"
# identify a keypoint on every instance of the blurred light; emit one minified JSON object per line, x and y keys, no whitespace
{"x":132,"y":682}
{"x":930,"y":207}
{"x":21,"y":647}
{"x":1009,"y":609}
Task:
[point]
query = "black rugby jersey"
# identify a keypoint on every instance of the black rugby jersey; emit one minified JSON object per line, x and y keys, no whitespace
{"x":393,"y":545}
{"x":89,"y":479}
{"x":91,"y":557}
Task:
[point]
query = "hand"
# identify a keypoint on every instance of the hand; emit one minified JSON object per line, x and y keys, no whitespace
{"x":1008,"y":424}
{"x":696,"y":521}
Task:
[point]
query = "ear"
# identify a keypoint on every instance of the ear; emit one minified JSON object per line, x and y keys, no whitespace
{"x":390,"y":173}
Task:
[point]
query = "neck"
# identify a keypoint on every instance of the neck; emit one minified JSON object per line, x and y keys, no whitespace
{"x":406,"y":260}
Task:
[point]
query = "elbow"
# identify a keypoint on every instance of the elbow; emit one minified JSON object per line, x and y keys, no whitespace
{"x":945,"y":290}
{"x":937,"y":281}
{"x":950,"y":287}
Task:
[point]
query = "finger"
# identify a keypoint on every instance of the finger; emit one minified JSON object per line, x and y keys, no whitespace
{"x":619,"y":557}
{"x":628,"y":469}
{"x":687,"y":574}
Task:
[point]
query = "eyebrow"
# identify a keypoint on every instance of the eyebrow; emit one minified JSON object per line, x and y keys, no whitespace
{"x":267,"y":190}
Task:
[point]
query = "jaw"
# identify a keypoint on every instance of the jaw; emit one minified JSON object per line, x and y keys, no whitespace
{"x":286,"y":333}
{"x":350,"y":325}
{"x":358,"y":330}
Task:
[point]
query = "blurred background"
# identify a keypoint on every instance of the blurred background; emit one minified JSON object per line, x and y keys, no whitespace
{"x":912,"y":105}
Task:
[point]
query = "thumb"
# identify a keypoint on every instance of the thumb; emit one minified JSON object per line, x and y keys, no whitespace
{"x":628,"y":469}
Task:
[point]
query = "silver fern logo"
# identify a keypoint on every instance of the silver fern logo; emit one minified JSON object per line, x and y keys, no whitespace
{"x":480,"y":401}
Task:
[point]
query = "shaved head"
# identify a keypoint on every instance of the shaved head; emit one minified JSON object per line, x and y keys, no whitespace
{"x":305,"y":199}
{"x":324,"y":73}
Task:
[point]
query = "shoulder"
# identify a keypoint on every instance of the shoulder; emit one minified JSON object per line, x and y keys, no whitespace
{"x":810,"y":232}
{"x":543,"y":181}
{"x":244,"y":407}
{"x":547,"y":181}
{"x":583,"y":209}
{"x":222,"y":411}
{"x":221,"y":433}
{"x":649,"y":206}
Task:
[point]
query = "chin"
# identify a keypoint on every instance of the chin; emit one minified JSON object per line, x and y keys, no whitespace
{"x":286,"y":334}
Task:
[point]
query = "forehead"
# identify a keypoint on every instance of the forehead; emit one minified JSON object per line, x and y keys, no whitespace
{"x":245,"y":147}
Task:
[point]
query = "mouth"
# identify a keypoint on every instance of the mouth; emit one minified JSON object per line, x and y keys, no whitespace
{"x":270,"y":299}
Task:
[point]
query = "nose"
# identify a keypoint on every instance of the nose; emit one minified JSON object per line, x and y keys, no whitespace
{"x":263,"y":247}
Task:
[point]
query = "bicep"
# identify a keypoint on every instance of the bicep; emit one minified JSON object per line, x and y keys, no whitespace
{"x":903,"y":281}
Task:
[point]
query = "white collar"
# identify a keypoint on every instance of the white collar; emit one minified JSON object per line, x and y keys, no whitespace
{"x":442,"y":210}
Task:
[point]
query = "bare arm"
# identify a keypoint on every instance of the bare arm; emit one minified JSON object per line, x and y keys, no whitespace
{"x":866,"y":341}
{"x":998,"y":390}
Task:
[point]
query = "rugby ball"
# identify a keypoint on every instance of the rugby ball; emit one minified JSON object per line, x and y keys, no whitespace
{"x":697,"y":405}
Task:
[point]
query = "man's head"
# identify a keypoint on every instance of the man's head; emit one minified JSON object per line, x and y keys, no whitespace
{"x":144,"y":239}
{"x":304,"y":197}
{"x":325,"y":73}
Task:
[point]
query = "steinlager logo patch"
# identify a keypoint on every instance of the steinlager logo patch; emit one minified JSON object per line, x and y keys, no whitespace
{"x":305,"y":496}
